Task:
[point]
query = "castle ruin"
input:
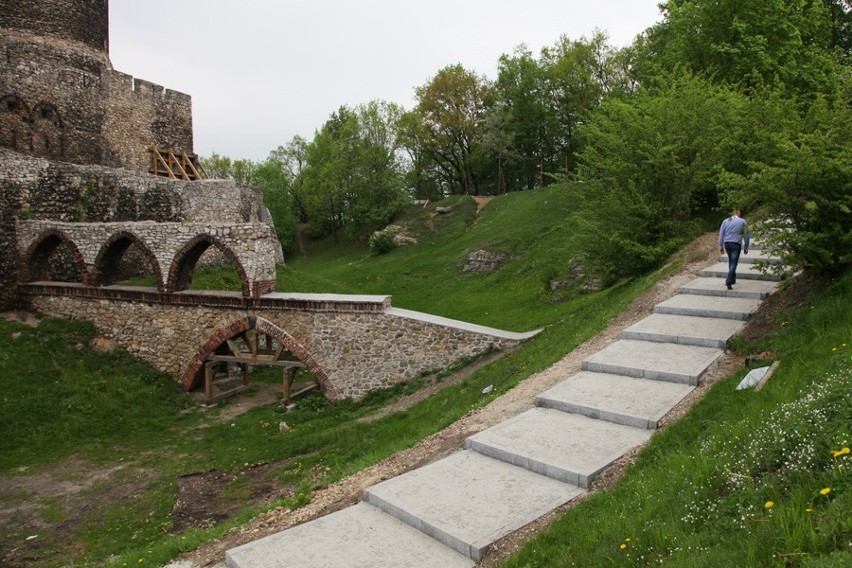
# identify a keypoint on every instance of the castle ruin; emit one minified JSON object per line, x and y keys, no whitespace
{"x":82,"y":209}
{"x":76,"y":138}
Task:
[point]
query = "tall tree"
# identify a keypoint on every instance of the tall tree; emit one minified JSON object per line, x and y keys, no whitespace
{"x":353,"y":179}
{"x":451,"y":108}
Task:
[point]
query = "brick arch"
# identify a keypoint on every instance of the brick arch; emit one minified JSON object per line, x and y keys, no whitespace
{"x":35,"y":264}
{"x":185,"y":259}
{"x":264,"y":326}
{"x":111,"y":253}
{"x":15,"y":124}
{"x":48,"y":134}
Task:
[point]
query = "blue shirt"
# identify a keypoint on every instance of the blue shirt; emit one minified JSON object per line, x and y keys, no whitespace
{"x":733,"y":230}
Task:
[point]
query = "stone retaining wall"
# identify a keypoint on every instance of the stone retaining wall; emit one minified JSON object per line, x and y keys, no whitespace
{"x":351,"y":352}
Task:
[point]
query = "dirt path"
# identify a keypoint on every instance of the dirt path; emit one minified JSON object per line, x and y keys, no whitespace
{"x":696,"y":256}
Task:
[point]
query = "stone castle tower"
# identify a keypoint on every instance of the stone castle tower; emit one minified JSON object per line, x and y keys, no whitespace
{"x":75,"y":136}
{"x":61,"y":99}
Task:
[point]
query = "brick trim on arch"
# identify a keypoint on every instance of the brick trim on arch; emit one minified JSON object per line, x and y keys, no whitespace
{"x":264,"y":326}
{"x":35,"y":248}
{"x":109,"y":247}
{"x":185,"y":259}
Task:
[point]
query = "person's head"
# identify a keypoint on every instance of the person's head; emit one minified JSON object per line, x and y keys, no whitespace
{"x":736,"y":213}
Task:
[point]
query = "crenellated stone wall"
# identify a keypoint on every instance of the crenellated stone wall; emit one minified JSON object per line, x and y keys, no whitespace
{"x":61,"y":99}
{"x":351,"y":344}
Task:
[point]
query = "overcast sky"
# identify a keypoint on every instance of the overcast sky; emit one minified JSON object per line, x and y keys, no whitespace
{"x":261,"y":71}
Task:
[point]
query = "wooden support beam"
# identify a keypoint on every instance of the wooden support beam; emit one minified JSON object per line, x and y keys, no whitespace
{"x":260,"y":360}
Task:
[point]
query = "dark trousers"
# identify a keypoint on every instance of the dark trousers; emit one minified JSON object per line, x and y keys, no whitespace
{"x":733,"y":250}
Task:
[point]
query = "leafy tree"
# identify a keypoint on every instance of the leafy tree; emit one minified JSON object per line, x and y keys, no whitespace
{"x":451,"y":108}
{"x":525,"y":115}
{"x":649,"y":164}
{"x":545,"y":101}
{"x":747,"y":43}
{"x":420,"y":171}
{"x":353,"y":178}
{"x":222,"y":167}
{"x":274,"y":181}
{"x":800,"y":186}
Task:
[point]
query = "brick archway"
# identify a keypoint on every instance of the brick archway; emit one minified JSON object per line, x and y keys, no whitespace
{"x":36,"y":263}
{"x":111,"y":253}
{"x":269,"y":328}
{"x":185,"y":259}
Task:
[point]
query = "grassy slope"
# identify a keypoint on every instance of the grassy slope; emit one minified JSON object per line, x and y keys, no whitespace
{"x":113,"y":410}
{"x":747,"y":478}
{"x":63,"y":400}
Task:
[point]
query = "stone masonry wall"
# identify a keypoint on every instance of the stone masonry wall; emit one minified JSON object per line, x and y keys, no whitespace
{"x":61,"y":99}
{"x":40,"y":189}
{"x":85,"y":21}
{"x":352,"y":353}
{"x":251,"y":246}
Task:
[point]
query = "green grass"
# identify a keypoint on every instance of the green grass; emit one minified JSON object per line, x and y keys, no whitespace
{"x":698,"y":495}
{"x":67,"y":409}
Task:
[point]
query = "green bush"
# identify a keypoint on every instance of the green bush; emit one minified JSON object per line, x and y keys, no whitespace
{"x":381,"y":242}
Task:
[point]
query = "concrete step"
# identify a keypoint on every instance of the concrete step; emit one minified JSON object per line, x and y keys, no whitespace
{"x":657,"y":361}
{"x":708,"y":306}
{"x":744,"y":272}
{"x":753,"y":256}
{"x":754,"y":289}
{"x":568,"y":447}
{"x":684,"y":330}
{"x":468,"y":501}
{"x":361,"y":536}
{"x":617,"y":398}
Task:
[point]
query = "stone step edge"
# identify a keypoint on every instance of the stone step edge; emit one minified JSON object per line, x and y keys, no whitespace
{"x":703,"y":313}
{"x":600,"y":413}
{"x":661,"y":337}
{"x":741,"y":275}
{"x":537,"y":466}
{"x":640,"y":373}
{"x":723,"y":293}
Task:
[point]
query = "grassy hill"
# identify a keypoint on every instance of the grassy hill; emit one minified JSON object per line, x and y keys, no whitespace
{"x":97,"y":449}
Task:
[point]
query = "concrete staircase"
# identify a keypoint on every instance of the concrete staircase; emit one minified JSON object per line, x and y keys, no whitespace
{"x":447,"y":514}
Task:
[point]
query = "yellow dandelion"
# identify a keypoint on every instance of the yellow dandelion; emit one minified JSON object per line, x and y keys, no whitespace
{"x":769,"y":504}
{"x":627,"y":539}
{"x":809,"y":510}
{"x":834,"y":348}
{"x":843,"y":451}
{"x":623,"y":546}
{"x":825,"y":491}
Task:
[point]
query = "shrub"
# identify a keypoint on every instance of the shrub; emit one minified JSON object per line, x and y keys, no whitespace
{"x":382,"y":242}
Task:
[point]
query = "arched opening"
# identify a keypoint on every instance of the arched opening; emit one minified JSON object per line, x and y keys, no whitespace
{"x":53,"y":257}
{"x":125,"y":259}
{"x":224,"y":365}
{"x":15,"y":124}
{"x":230,"y":275}
{"x":48,"y":136}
